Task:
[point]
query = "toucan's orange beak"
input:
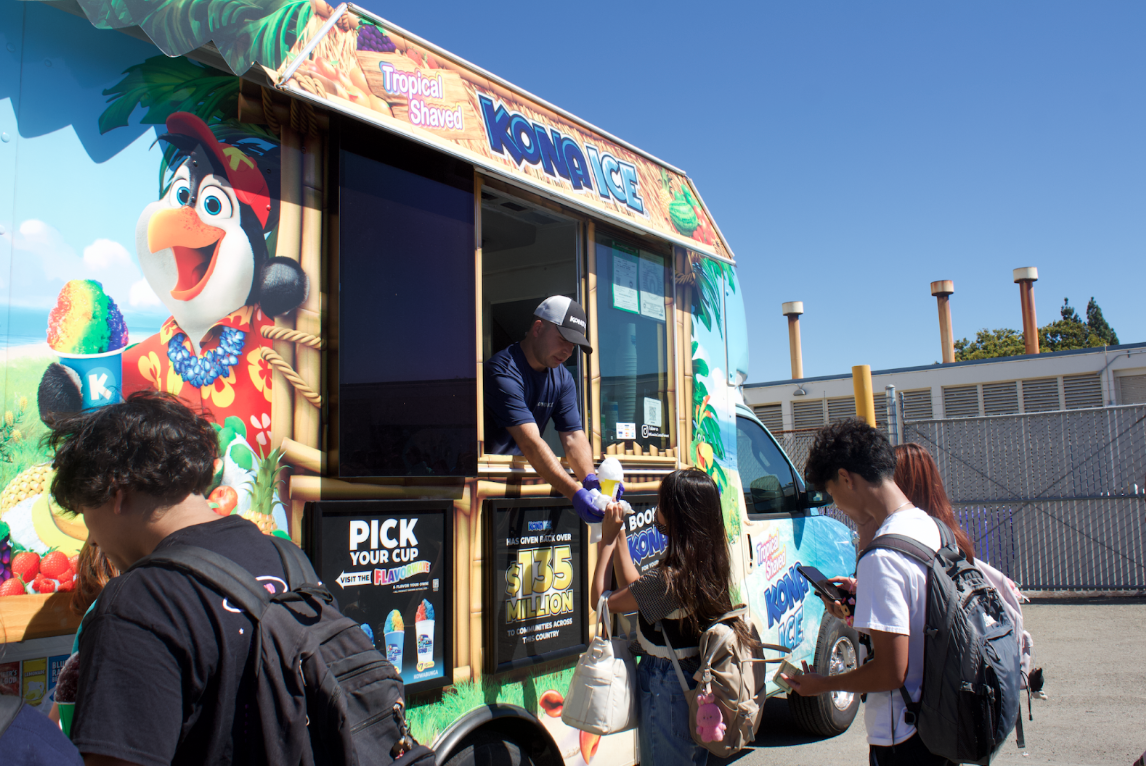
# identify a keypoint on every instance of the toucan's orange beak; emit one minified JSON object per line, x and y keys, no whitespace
{"x":194,"y":243}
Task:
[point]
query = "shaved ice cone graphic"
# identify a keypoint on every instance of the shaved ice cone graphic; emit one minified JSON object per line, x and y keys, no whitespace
{"x":395,"y":632}
{"x":424,"y":630}
{"x":88,"y":333}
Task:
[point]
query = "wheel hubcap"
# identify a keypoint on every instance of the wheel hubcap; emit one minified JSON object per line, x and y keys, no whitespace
{"x":843,"y":659}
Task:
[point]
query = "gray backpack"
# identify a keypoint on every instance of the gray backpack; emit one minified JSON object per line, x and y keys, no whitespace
{"x":971,"y":676}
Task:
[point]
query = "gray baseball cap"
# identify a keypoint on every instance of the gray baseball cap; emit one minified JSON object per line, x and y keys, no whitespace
{"x":569,"y":317}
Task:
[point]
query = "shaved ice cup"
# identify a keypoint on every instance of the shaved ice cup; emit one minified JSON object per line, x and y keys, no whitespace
{"x":101,"y":376}
{"x":67,"y":710}
{"x":424,"y":630}
{"x":395,"y":641}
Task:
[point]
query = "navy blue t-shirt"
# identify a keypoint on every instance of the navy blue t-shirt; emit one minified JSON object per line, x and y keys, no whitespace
{"x":33,"y":740}
{"x":516,"y":394}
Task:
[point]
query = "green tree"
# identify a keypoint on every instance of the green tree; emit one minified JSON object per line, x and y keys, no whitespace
{"x":1065,"y":334}
{"x":989,"y":344}
{"x":1098,"y":325}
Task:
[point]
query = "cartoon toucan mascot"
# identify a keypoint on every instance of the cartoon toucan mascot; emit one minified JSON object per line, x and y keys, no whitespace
{"x":202,"y":248}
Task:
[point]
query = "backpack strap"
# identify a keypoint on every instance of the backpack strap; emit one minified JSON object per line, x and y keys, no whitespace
{"x":908,"y":546}
{"x":220,"y":572}
{"x":10,"y":706}
{"x":299,"y":570}
{"x":675,"y":662}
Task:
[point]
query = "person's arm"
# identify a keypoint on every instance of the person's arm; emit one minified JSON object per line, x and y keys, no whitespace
{"x":611,"y":547}
{"x":577,"y":452}
{"x":885,"y":672}
{"x":537,"y":452}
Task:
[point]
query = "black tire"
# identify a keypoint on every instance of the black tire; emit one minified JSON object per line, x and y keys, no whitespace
{"x":488,"y":748}
{"x":830,"y":714}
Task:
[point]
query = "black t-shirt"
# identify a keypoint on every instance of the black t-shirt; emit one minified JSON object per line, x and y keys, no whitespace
{"x":165,"y":676}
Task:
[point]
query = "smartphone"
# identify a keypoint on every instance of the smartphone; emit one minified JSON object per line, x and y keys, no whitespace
{"x":789,"y":670}
{"x":823,"y":585}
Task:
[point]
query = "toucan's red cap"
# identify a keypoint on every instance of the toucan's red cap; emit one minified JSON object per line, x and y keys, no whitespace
{"x":242,"y":172}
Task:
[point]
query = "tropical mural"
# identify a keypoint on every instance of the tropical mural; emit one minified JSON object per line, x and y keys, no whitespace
{"x":139,"y":234}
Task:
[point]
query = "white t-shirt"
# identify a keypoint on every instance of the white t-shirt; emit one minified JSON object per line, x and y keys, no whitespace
{"x":891,"y":596}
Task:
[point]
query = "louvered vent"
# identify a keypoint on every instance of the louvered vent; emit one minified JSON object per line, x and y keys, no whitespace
{"x":961,"y":402}
{"x":1082,"y":391}
{"x":1041,"y":395}
{"x":880,"y":409}
{"x":916,"y":404}
{"x":1001,"y":398}
{"x":771,"y":416}
{"x":1132,"y":389}
{"x":808,"y":414}
{"x":841,"y":409}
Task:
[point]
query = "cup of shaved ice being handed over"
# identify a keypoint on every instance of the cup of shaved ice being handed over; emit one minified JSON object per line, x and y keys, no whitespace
{"x":88,"y":333}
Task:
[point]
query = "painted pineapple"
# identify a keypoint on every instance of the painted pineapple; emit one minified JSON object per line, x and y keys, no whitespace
{"x":262,"y":487}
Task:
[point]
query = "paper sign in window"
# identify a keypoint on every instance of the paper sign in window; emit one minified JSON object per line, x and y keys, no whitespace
{"x":652,"y":412}
{"x":652,"y":282}
{"x":625,"y":294}
{"x":626,"y":430}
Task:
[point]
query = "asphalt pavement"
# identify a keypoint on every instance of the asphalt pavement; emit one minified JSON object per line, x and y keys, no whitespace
{"x":1093,"y":653}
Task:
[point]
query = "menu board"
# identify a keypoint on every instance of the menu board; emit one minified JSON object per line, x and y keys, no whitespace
{"x":389,"y":563}
{"x":647,"y":546}
{"x":537,"y":582}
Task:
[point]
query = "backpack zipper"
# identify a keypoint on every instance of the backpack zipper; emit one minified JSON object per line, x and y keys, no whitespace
{"x":364,"y":669}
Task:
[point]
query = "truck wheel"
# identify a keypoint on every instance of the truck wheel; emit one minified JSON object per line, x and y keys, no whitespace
{"x":837,"y":651}
{"x":488,"y":748}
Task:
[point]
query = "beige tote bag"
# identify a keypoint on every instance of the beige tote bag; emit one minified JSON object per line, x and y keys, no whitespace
{"x":602,"y":696}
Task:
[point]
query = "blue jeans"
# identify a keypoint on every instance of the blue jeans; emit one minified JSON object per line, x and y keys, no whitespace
{"x":664,"y":728}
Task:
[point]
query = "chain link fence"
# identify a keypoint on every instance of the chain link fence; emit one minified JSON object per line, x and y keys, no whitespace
{"x":1056,"y":500}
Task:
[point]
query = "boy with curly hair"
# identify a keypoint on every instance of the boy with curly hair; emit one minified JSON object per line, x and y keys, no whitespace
{"x":165,"y":662}
{"x":855,"y":464}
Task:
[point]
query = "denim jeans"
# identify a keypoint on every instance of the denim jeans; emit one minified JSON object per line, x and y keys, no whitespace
{"x":664,"y":728}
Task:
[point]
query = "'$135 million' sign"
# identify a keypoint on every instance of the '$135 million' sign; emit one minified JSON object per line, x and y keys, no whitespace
{"x":539,"y":583}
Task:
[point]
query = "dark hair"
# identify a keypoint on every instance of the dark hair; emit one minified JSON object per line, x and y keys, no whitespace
{"x":151,"y":444}
{"x":94,"y":570}
{"x":854,"y":446}
{"x":918,"y":477}
{"x":697,"y":569}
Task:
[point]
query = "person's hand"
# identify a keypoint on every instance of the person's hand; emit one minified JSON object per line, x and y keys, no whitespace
{"x":808,"y":684}
{"x":584,"y":503}
{"x":613,"y":523}
{"x":837,"y":609}
{"x":591,"y":482}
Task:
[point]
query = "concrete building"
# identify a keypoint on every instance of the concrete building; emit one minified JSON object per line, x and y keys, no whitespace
{"x":1096,"y":377}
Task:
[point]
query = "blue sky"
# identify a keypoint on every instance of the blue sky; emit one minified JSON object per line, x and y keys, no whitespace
{"x":851,"y":153}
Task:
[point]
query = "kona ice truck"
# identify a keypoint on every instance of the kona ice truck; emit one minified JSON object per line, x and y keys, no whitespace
{"x":316,"y":227}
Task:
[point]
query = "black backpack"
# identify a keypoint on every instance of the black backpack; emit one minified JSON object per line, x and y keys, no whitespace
{"x":314,"y":667}
{"x":971,"y":676}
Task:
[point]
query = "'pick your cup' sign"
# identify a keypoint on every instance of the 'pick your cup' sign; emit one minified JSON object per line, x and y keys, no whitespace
{"x":383,"y":534}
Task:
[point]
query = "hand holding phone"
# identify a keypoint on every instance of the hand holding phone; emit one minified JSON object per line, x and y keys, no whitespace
{"x":824,"y":587}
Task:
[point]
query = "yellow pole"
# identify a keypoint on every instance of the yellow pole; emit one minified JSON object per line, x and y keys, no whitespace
{"x":865,"y":400}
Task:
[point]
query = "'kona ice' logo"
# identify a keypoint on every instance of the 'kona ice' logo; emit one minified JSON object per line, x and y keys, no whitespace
{"x":530,"y":143}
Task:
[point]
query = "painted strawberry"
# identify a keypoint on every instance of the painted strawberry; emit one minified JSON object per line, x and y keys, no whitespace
{"x":225,"y":499}
{"x":54,"y":564}
{"x":26,"y":565}
{"x":74,"y":561}
{"x":12,"y":587}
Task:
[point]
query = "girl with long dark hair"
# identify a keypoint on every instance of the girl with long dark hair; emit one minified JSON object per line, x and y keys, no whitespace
{"x":686,"y":593}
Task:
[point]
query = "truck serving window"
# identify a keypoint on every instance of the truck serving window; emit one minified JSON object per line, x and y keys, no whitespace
{"x":769,"y":485}
{"x":407,"y":384}
{"x":633,"y":285}
{"x":529,"y":253}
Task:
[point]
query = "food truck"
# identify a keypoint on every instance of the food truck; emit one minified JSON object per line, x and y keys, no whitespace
{"x":316,"y":228}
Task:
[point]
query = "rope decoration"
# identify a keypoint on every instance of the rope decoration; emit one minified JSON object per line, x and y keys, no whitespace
{"x":280,"y":364}
{"x":269,"y":113}
{"x":689,"y":275}
{"x":292,"y":336}
{"x":302,"y":118}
